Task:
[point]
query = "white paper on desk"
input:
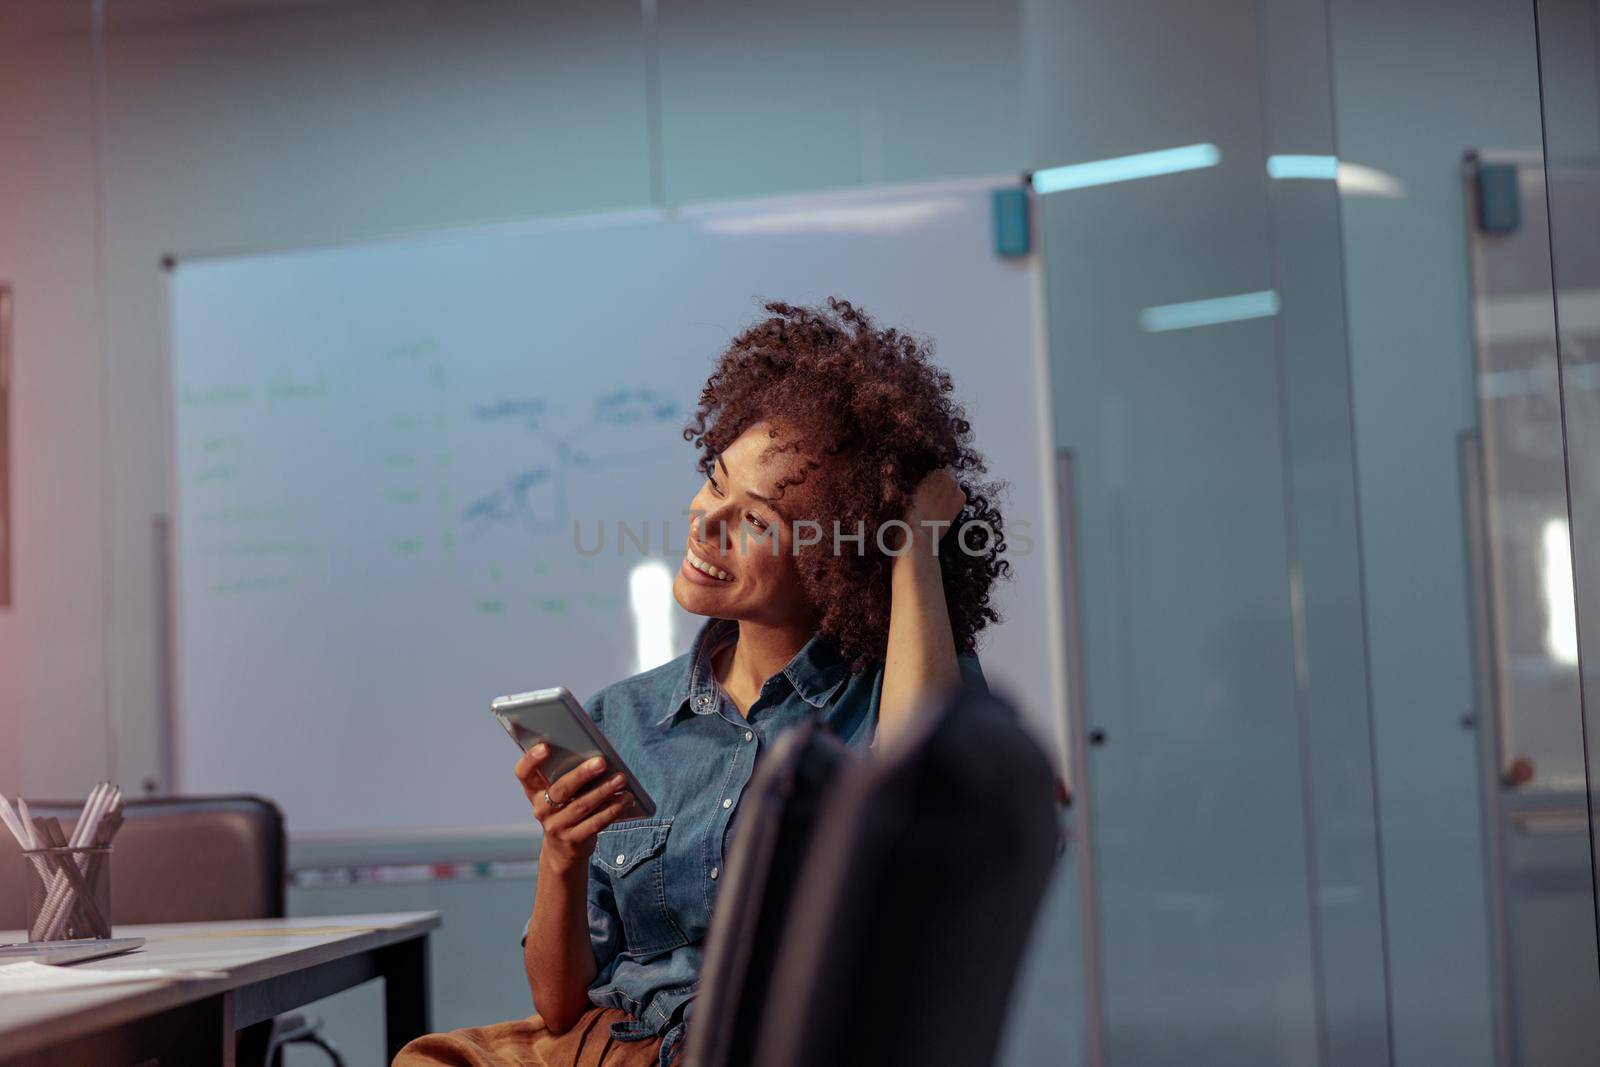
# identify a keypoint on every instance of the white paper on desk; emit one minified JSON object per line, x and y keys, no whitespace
{"x":30,"y":977}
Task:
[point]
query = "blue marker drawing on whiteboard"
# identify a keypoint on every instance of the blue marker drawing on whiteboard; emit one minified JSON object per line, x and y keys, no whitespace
{"x":535,"y":498}
{"x":527,"y":410}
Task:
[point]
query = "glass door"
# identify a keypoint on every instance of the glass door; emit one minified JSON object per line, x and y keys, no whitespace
{"x":1203,"y":416}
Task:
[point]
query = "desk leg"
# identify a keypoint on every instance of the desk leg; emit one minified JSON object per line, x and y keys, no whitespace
{"x":197,"y":1034}
{"x":250,"y":1044}
{"x":405,"y":992}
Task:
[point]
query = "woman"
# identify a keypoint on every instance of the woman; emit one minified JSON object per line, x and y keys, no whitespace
{"x":844,"y":574}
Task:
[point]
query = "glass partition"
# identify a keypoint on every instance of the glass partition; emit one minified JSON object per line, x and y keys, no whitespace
{"x":1202,"y":388}
{"x":1329,"y":477}
{"x":1569,"y":53}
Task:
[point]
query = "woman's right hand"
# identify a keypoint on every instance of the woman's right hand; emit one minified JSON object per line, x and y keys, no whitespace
{"x":577,"y":808}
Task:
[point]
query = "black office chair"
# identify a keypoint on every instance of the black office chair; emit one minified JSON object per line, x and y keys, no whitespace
{"x":770,"y":839}
{"x":922,"y":882}
{"x":187,"y":859}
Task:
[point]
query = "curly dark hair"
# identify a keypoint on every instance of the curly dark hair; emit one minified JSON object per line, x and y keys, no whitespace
{"x":874,"y":416}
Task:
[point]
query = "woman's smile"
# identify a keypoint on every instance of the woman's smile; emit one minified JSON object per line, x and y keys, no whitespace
{"x":702,"y":572}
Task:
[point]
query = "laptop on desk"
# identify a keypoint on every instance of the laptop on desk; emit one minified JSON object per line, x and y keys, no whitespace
{"x":67,"y":951}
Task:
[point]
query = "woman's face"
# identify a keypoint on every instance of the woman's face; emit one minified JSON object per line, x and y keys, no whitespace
{"x":734,"y":526}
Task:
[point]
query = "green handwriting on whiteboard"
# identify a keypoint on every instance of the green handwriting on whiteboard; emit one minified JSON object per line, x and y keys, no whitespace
{"x":272,"y":547}
{"x":285,"y":388}
{"x":406,"y":546}
{"x":217,"y":472}
{"x":216,"y":394}
{"x":242,"y":514}
{"x":268,"y":547}
{"x":240,"y":586}
{"x":408,"y":350}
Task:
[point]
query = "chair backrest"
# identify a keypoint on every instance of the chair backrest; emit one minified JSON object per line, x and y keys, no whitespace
{"x":176,"y":859}
{"x":770,"y":838}
{"x":914,"y":904}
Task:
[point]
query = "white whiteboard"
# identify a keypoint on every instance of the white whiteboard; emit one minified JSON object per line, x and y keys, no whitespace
{"x":380,"y":453}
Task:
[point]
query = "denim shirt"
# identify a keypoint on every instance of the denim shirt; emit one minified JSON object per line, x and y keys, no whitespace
{"x":652,"y":882}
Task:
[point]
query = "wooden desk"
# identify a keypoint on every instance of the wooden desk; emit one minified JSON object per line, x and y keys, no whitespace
{"x":272,"y":966}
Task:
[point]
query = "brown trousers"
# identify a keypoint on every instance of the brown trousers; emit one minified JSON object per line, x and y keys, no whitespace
{"x":528,"y":1043}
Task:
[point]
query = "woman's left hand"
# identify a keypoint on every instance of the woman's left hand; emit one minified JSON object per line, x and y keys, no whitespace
{"x":936,"y":501}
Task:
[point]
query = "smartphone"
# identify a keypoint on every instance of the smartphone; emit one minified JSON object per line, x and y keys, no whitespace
{"x":555,"y":717}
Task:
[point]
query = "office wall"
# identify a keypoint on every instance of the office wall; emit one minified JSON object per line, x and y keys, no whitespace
{"x":53,"y":641}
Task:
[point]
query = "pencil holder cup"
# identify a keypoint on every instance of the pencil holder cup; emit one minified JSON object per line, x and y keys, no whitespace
{"x":69,"y":893}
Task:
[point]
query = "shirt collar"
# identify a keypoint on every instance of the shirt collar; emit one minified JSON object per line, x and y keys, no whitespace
{"x":815,"y":671}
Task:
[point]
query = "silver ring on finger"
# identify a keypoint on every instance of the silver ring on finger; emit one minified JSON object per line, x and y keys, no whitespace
{"x":551,"y":803}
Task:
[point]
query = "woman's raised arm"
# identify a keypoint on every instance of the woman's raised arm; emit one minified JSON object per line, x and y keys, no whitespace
{"x":920,"y":663}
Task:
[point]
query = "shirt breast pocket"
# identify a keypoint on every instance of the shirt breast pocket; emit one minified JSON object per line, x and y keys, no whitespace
{"x":634,"y":857}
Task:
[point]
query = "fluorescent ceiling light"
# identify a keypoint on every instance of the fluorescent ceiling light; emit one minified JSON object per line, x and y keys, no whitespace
{"x":1126,"y":168}
{"x":1353,"y":179}
{"x":1209,"y":312}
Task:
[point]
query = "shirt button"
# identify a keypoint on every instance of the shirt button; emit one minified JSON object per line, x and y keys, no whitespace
{"x":748,"y":736}
{"x":713,"y":874}
{"x":620,"y":859}
{"x":704,"y":701}
{"x":727,"y":802}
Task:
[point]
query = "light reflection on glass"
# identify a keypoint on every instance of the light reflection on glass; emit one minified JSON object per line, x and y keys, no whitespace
{"x":1555,"y":576}
{"x":1126,"y":168}
{"x":1209,"y":312}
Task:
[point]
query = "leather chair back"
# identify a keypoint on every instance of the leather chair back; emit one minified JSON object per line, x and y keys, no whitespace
{"x":915,"y":902}
{"x":770,"y":838}
{"x":176,"y":859}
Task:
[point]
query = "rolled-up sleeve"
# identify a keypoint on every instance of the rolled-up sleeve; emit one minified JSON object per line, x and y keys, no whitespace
{"x":605,"y":926}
